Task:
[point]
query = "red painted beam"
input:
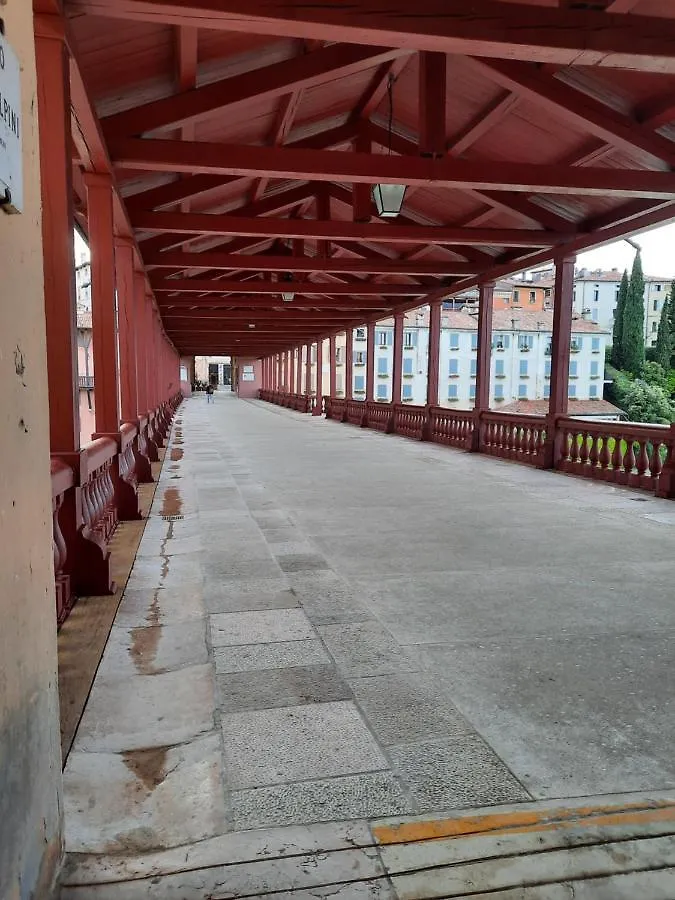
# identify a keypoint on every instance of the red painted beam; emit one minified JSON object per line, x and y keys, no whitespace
{"x":484,"y":121}
{"x":195,"y":223}
{"x":237,"y":92}
{"x":230,"y":261}
{"x":252,"y":301}
{"x":493,"y":29}
{"x":328,"y":165}
{"x":298,"y":287}
{"x":431,"y":103}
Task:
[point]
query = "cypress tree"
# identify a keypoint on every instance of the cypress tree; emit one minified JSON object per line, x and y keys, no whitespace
{"x":664,"y":339}
{"x":633,"y":327}
{"x":617,"y":338}
{"x":671,"y":319}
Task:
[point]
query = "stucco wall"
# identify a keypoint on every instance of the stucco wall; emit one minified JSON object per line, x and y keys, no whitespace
{"x":248,"y":389}
{"x":30,"y":770}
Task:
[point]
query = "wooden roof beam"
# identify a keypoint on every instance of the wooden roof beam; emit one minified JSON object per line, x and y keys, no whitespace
{"x":318,"y":67}
{"x":225,"y":286}
{"x":320,"y":165}
{"x":493,"y":29}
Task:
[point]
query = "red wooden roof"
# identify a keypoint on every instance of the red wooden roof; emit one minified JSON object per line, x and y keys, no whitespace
{"x":244,"y":136}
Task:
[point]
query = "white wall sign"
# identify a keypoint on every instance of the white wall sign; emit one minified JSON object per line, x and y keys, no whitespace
{"x":248,"y":370}
{"x":248,"y":376}
{"x":11,"y":160}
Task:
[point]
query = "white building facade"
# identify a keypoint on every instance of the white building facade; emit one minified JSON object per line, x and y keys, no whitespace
{"x":520,"y":364}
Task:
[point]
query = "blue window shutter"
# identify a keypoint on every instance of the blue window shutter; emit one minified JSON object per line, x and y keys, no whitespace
{"x":382,"y":364}
{"x":573,"y":367}
{"x":359,"y":383}
{"x":499,"y":367}
{"x":474,"y":342}
{"x":382,"y":391}
{"x":408,"y":365}
{"x":523,"y":367}
{"x":452,"y":392}
{"x":474,"y":366}
{"x":407,"y":392}
{"x":453,"y":368}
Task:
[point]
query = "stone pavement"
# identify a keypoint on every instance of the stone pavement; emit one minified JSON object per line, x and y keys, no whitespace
{"x":325,"y":624}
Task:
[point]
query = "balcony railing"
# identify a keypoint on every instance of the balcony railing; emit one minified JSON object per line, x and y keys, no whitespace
{"x":639,"y":456}
{"x":92,"y":491}
{"x":85,"y":382}
{"x":298,"y":402}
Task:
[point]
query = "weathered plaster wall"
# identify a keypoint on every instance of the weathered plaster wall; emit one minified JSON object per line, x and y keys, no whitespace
{"x":30,"y":770}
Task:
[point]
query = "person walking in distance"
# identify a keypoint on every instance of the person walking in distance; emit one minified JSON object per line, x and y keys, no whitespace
{"x":209,"y":394}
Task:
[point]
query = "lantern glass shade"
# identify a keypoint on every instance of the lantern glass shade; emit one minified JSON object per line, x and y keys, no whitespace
{"x":287,"y":296}
{"x":388,"y":199}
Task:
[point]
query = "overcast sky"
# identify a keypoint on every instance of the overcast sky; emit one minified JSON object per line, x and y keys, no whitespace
{"x":658,"y":254}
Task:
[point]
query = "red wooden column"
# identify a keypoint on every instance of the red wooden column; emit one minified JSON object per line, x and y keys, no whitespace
{"x":397,"y":366}
{"x":291,"y":375}
{"x":433,"y":359}
{"x":126,"y":323}
{"x":53,"y":91}
{"x":332,"y":359}
{"x":308,"y":369}
{"x":139,"y":342}
{"x":298,"y":374}
{"x":280,"y":374}
{"x":349,"y":364}
{"x":370,"y":363}
{"x":318,"y":399}
{"x":560,"y":354}
{"x":102,"y":246}
{"x":483,"y":360}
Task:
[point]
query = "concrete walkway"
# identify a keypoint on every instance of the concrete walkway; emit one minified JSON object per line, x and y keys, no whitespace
{"x":329,"y":625}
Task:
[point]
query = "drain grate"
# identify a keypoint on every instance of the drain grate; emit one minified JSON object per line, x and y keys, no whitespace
{"x":172,"y":518}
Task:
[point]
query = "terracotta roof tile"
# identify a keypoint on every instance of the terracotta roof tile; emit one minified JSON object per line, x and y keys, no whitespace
{"x":575,"y":408}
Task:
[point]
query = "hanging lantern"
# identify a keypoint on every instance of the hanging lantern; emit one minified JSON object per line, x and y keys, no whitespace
{"x":287,"y":296}
{"x":388,"y":199}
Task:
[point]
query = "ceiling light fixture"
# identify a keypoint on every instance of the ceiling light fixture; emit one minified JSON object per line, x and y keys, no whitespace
{"x":287,"y":295}
{"x":388,"y":198}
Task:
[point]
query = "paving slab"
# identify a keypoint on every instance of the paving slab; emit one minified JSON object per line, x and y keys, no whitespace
{"x":278,"y":655}
{"x":260,"y":626}
{"x":292,"y":686}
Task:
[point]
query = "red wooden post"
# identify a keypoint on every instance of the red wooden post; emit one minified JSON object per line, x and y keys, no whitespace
{"x":291,"y":375}
{"x":397,"y":364}
{"x":139,"y":348}
{"x":332,"y":356}
{"x":280,"y":380}
{"x":298,"y":387}
{"x":318,"y":399}
{"x":560,"y":354}
{"x":361,"y":201}
{"x":126,"y":321}
{"x":53,"y":90}
{"x":370,"y":363}
{"x":102,"y":246}
{"x":431,"y":107}
{"x":308,"y":369}
{"x":483,"y":360}
{"x":349,"y":364}
{"x":433,"y":358}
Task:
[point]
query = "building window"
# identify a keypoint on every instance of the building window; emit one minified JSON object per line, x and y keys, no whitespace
{"x":501,"y":341}
{"x":593,"y":391}
{"x":499,"y":392}
{"x":547,"y":293}
{"x":657,"y":287}
{"x":522,"y":392}
{"x":472,"y":392}
{"x":406,"y":392}
{"x":339,"y":351}
{"x":474,"y":367}
{"x":547,"y":368}
{"x":499,"y":368}
{"x":409,"y":339}
{"x":596,"y":293}
{"x":408,"y":366}
{"x":360,"y":334}
{"x":595,"y":369}
{"x":655,"y":327}
{"x":575,"y":344}
{"x":573,"y":368}
{"x":338,"y":384}
{"x":516,"y":296}
{"x":452,"y":392}
{"x":595,"y":345}
{"x":474,"y":342}
{"x":572,"y":391}
{"x":523,"y":368}
{"x":360,"y":384}
{"x":533,"y":297}
{"x":454,"y":341}
{"x":547,"y":391}
{"x":382,"y":392}
{"x":453,"y":368}
{"x":655,"y":304}
{"x":382,"y":367}
{"x":384,"y":338}
{"x":595,"y":315}
{"x":359,"y":358}
{"x":525,"y":342}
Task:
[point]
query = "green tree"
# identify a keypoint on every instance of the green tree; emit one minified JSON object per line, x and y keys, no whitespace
{"x":648,"y":403}
{"x":632,"y":336}
{"x":671,"y":319}
{"x":664,"y":338}
{"x":617,"y":338}
{"x":654,"y":373}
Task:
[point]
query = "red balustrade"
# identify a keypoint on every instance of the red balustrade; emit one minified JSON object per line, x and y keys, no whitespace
{"x":356,"y":413}
{"x":451,"y":427}
{"x":335,"y":408}
{"x":63,"y":481}
{"x":410,"y":421}
{"x":380,"y":416}
{"x":299,"y":402}
{"x":620,"y":452}
{"x":514,"y":437}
